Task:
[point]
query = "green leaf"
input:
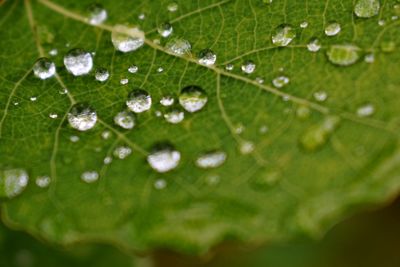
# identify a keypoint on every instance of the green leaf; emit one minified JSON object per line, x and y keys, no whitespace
{"x":295,"y":164}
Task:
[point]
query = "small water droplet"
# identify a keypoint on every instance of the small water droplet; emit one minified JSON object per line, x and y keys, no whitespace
{"x":207,"y":57}
{"x":160,"y":69}
{"x":33,"y":98}
{"x":320,"y":96}
{"x":263,"y":129}
{"x":44,"y":68}
{"x":102,"y":74}
{"x":78,"y":62}
{"x":167,"y":101}
{"x":139,"y":100}
{"x":259,"y":80}
{"x":369,"y":58}
{"x":158,"y":113}
{"x":13,"y":182}
{"x":212,"y":159}
{"x":124,"y":81}
{"x":193,"y":98}
{"x":248,"y":67}
{"x":267,"y":1}
{"x":125,"y":119}
{"x":53,"y":52}
{"x":333,"y":29}
{"x":160,"y":184}
{"x":367,"y":8}
{"x":212,"y":180}
{"x":43,"y":181}
{"x":246,"y":147}
{"x":107,"y":160}
{"x":283,"y":35}
{"x":178,"y":46}
{"x":314,"y":45}
{"x":122,"y":152}
{"x":229,"y":67}
{"x":82,"y":117}
{"x":318,"y":135}
{"x":127,"y":38}
{"x":165,"y":29}
{"x":74,"y":138}
{"x":381,"y":22}
{"x":172,"y":7}
{"x":343,"y":55}
{"x":90,"y":176}
{"x":164,"y":157}
{"x":105,"y":135}
{"x":304,"y":24}
{"x":303,"y":112}
{"x":280,"y":81}
{"x":141,"y":16}
{"x":96,"y":14}
{"x":53,"y":115}
{"x":63,"y":91}
{"x":239,"y":129}
{"x":174,"y":115}
{"x":366,"y":110}
{"x":133,"y":69}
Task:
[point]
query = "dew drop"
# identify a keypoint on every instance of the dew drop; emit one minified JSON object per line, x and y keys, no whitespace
{"x":283,"y":35}
{"x":122,"y":152}
{"x":164,"y":157}
{"x":304,"y":24}
{"x":141,"y":16}
{"x":320,"y":96}
{"x":193,"y":98}
{"x":280,"y":81}
{"x":172,"y":7}
{"x":78,"y":62}
{"x":229,"y":67}
{"x":127,"y":38}
{"x":248,"y":67}
{"x":303,"y":112}
{"x":106,"y":135}
{"x":367,"y":8}
{"x":43,"y":181}
{"x":13,"y":182}
{"x":90,"y":176}
{"x":107,"y":160}
{"x":139,"y":100}
{"x":343,"y":55}
{"x":259,"y":80}
{"x":167,"y":101}
{"x":165,"y":29}
{"x":332,"y":29}
{"x":33,"y":98}
{"x":44,"y":68}
{"x":160,"y":69}
{"x":246,"y":147}
{"x":82,"y":117}
{"x":53,"y":52}
{"x":174,"y":116}
{"x":124,"y":81}
{"x":96,"y":14}
{"x":74,"y":138}
{"x":366,"y":110}
{"x":369,"y":58}
{"x":207,"y":57}
{"x":53,"y":115}
{"x":211,"y":159}
{"x":160,"y":184}
{"x":102,"y":74}
{"x":314,"y":45}
{"x":318,"y":135}
{"x":125,"y":119}
{"x":178,"y":46}
{"x":133,"y":69}
{"x":267,"y":1}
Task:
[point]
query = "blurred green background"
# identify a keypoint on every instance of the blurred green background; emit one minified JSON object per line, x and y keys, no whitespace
{"x":370,"y":239}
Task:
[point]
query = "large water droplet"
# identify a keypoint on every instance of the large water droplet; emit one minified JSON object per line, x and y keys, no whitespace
{"x":44,"y":68}
{"x":13,"y":182}
{"x":78,"y":62}
{"x":127,"y":38}
{"x":211,"y":159}
{"x":207,"y":57}
{"x":90,"y":176}
{"x":192,"y":98}
{"x":174,"y":116}
{"x":283,"y":35}
{"x":332,"y":29}
{"x":164,"y":157}
{"x":248,"y":67}
{"x":125,"y":119}
{"x":96,"y":14}
{"x":178,"y":46}
{"x":82,"y":117}
{"x":343,"y":55}
{"x":165,"y":29}
{"x":367,"y":8}
{"x":102,"y":74}
{"x":317,"y":136}
{"x":139,"y":100}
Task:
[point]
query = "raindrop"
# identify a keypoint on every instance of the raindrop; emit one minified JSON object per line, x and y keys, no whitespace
{"x":78,"y":62}
{"x":82,"y":117}
{"x":167,"y":101}
{"x":314,"y":45}
{"x":212,"y":180}
{"x":141,"y":16}
{"x":164,"y":157}
{"x":343,"y":55}
{"x":367,"y":8}
{"x":139,"y":101}
{"x":172,"y":7}
{"x":122,"y":152}
{"x":248,"y":67}
{"x":318,"y":135}
{"x":207,"y":57}
{"x":283,"y":35}
{"x":192,"y":98}
{"x":97,"y":14}
{"x":158,"y":113}
{"x":165,"y":29}
{"x":174,"y":116}
{"x":332,"y":29}
{"x":105,"y":135}
{"x":33,"y":98}
{"x":127,"y":38}
{"x":320,"y":96}
{"x":267,"y":2}
{"x":229,"y":67}
{"x":43,"y":181}
{"x":246,"y":147}
{"x":13,"y":182}
{"x":211,"y":159}
{"x":160,"y":184}
{"x":125,"y":119}
{"x":369,"y":58}
{"x":259,"y":80}
{"x":304,"y":24}
{"x":74,"y":138}
{"x":124,"y":81}
{"x":263,"y":129}
{"x":179,"y":46}
{"x":366,"y":110}
{"x":53,"y":52}
{"x":44,"y":68}
{"x":160,"y":69}
{"x":133,"y":69}
{"x":102,"y":74}
{"x":107,"y":160}
{"x":90,"y":176}
{"x":53,"y":115}
{"x":280,"y":81}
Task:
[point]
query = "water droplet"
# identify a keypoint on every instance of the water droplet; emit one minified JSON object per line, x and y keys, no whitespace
{"x":78,"y":62}
{"x":314,"y":45}
{"x":167,"y":101}
{"x":63,"y":91}
{"x":122,"y":152}
{"x":207,"y":57}
{"x":263,"y":129}
{"x":141,"y":16}
{"x":332,"y":29}
{"x":366,"y":110}
{"x":178,"y":46}
{"x":139,"y":101}
{"x":229,"y":67}
{"x":102,"y":74}
{"x":165,"y":29}
{"x":74,"y":138}
{"x":246,"y":147}
{"x":53,"y":115}
{"x":303,"y":112}
{"x":320,"y":96}
{"x":105,"y":135}
{"x":13,"y":182}
{"x":172,"y":7}
{"x":369,"y":58}
{"x":259,"y":80}
{"x":381,"y":22}
{"x":317,"y":136}
{"x":43,"y":181}
{"x":163,"y":157}
{"x":33,"y":98}
{"x":96,"y":14}
{"x":158,"y":113}
{"x":127,"y":38}
{"x":44,"y":68}
{"x":124,"y":81}
{"x":160,"y":184}
{"x":160,"y":69}
{"x":212,"y":180}
{"x":107,"y":160}
{"x":367,"y":8}
{"x":283,"y":35}
{"x":211,"y":159}
{"x":90,"y":176}
{"x":125,"y":119}
{"x":304,"y":24}
{"x":192,"y":98}
{"x":53,"y":52}
{"x":174,"y":116}
{"x":82,"y":117}
{"x":280,"y":81}
{"x":248,"y":67}
{"x":343,"y":55}
{"x":133,"y":69}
